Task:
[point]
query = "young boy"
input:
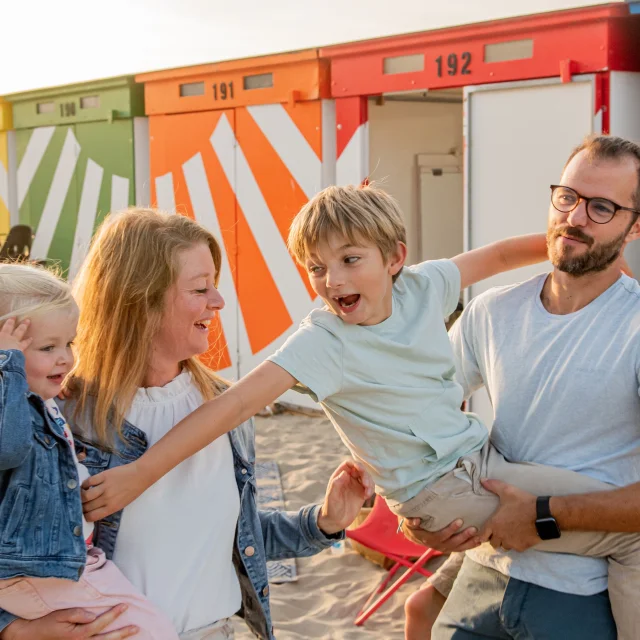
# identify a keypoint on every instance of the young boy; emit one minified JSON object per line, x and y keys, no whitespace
{"x":378,"y":360}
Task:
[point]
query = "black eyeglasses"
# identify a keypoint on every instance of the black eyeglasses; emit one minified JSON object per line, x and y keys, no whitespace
{"x":599,"y":210}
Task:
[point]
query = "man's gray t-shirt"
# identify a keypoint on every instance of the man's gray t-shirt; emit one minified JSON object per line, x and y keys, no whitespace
{"x":565,"y":392}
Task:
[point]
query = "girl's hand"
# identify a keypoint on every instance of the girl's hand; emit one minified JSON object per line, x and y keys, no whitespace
{"x":12,"y":336}
{"x":112,"y":490}
{"x":349,"y":486}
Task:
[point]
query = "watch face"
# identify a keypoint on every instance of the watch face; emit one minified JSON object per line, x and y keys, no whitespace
{"x":547,"y":528}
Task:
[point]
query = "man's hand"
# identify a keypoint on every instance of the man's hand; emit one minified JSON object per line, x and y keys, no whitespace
{"x":513,"y":525}
{"x":447,"y":540}
{"x":112,"y":490}
{"x":69,"y":624}
{"x":349,"y":486}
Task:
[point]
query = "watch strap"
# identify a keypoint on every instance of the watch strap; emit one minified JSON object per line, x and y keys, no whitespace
{"x":543,"y":508}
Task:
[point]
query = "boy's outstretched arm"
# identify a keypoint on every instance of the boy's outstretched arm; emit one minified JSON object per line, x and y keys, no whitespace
{"x":112,"y":490}
{"x":503,"y":255}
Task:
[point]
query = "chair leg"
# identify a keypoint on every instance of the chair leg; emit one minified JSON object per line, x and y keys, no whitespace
{"x":381,"y":586}
{"x":368,"y":610}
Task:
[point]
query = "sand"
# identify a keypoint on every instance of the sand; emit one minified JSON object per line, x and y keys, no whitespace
{"x":331,"y":588}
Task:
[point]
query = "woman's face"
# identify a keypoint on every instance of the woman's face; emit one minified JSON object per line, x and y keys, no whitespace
{"x":189,"y":306}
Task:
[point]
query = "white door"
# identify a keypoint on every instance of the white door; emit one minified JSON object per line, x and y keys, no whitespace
{"x":518,"y":137}
{"x":441,"y":216}
{"x":624,"y":121}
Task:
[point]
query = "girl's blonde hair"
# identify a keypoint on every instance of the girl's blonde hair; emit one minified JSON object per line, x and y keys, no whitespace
{"x":27,"y":290}
{"x":121,"y":287}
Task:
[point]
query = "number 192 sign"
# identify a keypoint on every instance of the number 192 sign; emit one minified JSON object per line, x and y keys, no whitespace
{"x":454,"y":64}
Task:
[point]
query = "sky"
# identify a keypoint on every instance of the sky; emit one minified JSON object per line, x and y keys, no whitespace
{"x":45,"y":43}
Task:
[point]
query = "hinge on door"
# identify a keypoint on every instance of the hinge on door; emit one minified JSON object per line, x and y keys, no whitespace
{"x":294,"y":96}
{"x":567,"y":69}
{"x":116,"y":115}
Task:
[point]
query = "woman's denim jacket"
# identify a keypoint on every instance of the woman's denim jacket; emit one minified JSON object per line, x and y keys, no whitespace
{"x":38,"y":483}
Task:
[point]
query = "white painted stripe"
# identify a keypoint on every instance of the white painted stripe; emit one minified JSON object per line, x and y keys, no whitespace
{"x":292,"y":147}
{"x":36,"y":147}
{"x":141,"y":155}
{"x":329,"y":143}
{"x":14,"y":216}
{"x":264,"y":229}
{"x":87,"y":212}
{"x":205,"y":213}
{"x":165,"y":197}
{"x":119,"y":193}
{"x":56,"y":196}
{"x":4,"y":185}
{"x":352,"y":166}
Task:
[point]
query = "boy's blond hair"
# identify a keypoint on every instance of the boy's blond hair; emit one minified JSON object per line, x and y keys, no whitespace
{"x":27,"y":290}
{"x":358,"y":213}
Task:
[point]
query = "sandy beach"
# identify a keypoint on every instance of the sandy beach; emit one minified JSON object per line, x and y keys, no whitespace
{"x":330,"y":588}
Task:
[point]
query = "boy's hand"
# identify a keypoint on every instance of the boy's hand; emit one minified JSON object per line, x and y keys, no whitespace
{"x":349,"y":486}
{"x":112,"y":490}
{"x":12,"y":336}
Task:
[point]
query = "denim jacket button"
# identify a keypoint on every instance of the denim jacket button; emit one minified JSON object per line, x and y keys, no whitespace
{"x":249,"y":551}
{"x":72,"y":484}
{"x":2,"y":357}
{"x":244,"y":472}
{"x":265,"y":591}
{"x":77,"y":531}
{"x":47,"y":439}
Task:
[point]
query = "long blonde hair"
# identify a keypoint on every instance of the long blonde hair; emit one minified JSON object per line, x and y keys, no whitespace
{"x":121,"y":287}
{"x":27,"y":290}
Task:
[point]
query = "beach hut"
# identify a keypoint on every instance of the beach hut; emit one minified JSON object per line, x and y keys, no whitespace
{"x":82,"y":151}
{"x":7,"y":180}
{"x":240,"y":146}
{"x":468,"y":126}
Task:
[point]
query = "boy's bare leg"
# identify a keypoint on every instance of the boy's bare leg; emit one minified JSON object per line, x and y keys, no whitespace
{"x":421,"y":610}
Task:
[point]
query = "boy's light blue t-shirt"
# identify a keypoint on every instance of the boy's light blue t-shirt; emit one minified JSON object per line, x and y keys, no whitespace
{"x":389,"y":389}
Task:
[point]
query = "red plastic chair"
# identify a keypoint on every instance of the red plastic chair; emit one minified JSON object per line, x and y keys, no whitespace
{"x":379,"y":532}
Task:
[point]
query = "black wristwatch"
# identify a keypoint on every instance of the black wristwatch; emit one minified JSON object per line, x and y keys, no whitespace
{"x":546,"y":524}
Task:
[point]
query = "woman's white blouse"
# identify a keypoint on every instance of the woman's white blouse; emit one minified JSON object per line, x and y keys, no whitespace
{"x":175,"y":541}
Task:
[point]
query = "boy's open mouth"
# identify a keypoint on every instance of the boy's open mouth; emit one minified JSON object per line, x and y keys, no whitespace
{"x":348,"y":303}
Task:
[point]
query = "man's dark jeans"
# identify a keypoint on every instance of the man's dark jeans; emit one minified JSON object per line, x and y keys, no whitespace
{"x":486,"y":604}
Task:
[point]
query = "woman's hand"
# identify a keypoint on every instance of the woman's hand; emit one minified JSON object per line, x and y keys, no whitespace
{"x":69,"y":624}
{"x":447,"y":540}
{"x":12,"y":335}
{"x":349,"y":486}
{"x":112,"y":490}
{"x":69,"y":388}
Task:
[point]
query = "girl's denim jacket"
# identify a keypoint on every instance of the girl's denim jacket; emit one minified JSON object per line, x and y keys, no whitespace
{"x":41,"y":512}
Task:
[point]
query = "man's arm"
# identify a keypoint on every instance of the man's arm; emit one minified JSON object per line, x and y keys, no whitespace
{"x":513,"y":526}
{"x":616,"y":511}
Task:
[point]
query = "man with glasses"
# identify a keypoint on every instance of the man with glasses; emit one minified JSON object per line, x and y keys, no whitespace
{"x":560,"y":357}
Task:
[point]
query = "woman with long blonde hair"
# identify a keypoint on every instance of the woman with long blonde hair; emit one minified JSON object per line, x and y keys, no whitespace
{"x":195,"y":544}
